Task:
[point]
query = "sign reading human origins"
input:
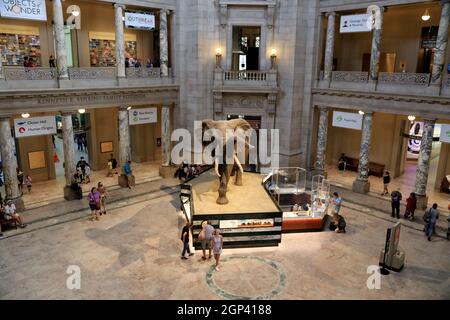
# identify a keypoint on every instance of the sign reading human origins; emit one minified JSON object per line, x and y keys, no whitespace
{"x":356,"y":23}
{"x":23,"y":9}
{"x":143,"y":21}
{"x":37,"y":126}
{"x":142,"y":116}
{"x":347,"y":120}
{"x":445,"y":133}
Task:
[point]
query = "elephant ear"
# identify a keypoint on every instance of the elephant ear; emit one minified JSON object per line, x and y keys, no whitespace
{"x":239,"y":123}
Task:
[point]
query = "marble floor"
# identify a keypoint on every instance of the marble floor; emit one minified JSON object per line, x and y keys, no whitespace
{"x":134,"y":253}
{"x":406,"y":183}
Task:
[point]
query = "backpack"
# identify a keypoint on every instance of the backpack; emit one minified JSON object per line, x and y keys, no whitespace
{"x":427,"y":215}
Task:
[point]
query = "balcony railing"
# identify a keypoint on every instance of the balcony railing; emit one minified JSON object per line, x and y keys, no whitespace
{"x":97,"y":73}
{"x":350,"y":76}
{"x":37,"y":73}
{"x":245,"y":75}
{"x":143,"y":72}
{"x":419,"y":79}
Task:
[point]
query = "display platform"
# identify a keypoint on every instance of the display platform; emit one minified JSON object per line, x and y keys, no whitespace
{"x":250,"y":219}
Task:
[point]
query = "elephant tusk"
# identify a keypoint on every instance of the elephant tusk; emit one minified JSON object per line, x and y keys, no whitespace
{"x":216,"y":167}
{"x":238,"y":163}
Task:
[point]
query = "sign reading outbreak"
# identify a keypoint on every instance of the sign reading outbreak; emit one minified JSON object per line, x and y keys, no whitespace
{"x":143,"y":21}
{"x":23,"y":9}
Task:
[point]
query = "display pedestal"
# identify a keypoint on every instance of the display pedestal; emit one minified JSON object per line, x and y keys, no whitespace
{"x":422,"y":202}
{"x":317,"y":172}
{"x":70,"y":194}
{"x":360,"y":186}
{"x":167,"y":171}
{"x":123,"y":181}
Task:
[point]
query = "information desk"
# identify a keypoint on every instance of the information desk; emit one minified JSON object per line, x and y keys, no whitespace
{"x":250,"y":219}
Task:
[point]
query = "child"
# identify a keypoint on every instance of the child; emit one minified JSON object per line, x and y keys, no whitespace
{"x":110,"y":168}
{"x":87,"y":173}
{"x":28,"y":182}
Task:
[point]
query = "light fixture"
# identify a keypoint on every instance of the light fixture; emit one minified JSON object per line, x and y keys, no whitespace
{"x":218,"y":57}
{"x":426,"y":16}
{"x":129,"y":108}
{"x":25,"y":115}
{"x":123,"y":18}
{"x":218,"y":51}
{"x":273,"y":58}
{"x":361,"y":112}
{"x":81,"y":111}
{"x":411,"y":118}
{"x":75,"y":13}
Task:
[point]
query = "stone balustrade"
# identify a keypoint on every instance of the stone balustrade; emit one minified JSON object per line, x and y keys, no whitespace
{"x":245,"y":75}
{"x":420,"y":79}
{"x":97,"y":73}
{"x":350,"y":76}
{"x":143,"y":72}
{"x":34,"y":73}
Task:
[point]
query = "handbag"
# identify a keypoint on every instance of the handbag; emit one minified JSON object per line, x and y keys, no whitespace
{"x":202,"y":235}
{"x":426,"y":216}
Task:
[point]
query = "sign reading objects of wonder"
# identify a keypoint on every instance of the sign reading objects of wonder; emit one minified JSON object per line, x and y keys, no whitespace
{"x":135,"y":20}
{"x":23,"y":9}
{"x":36,"y":126}
{"x":142,"y":116}
{"x":347,"y":120}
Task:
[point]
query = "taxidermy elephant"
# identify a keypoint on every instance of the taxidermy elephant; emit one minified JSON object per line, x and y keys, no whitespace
{"x":224,"y":170}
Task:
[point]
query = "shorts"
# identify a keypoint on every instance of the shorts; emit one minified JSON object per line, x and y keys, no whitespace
{"x":93,"y":206}
{"x":206,"y":244}
{"x":386,"y":185}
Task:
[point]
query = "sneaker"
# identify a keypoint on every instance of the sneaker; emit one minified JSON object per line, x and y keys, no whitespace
{"x":429,"y":238}
{"x":209,"y":257}
{"x":203,"y":258}
{"x":96,"y":218}
{"x":191,"y":254}
{"x":100,"y":213}
{"x":184,"y":258}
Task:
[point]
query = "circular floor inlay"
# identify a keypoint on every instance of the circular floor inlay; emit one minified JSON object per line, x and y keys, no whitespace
{"x":246,"y":278}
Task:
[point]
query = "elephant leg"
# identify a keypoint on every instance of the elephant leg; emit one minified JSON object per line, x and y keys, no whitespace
{"x":238,"y":172}
{"x":224,"y":177}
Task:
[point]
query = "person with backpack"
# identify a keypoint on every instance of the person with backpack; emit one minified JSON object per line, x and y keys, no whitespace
{"x":396,"y":197}
{"x":430,"y":217}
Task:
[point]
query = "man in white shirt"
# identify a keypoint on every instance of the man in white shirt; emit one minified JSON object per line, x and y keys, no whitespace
{"x":10,"y":213}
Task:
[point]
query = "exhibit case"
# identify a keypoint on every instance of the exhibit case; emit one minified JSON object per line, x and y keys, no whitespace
{"x":303,"y":209}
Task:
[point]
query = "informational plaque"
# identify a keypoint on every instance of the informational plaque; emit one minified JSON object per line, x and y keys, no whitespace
{"x":36,"y":160}
{"x":106,"y":146}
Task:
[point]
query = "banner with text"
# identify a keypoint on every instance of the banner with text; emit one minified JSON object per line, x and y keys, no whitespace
{"x":135,"y":20}
{"x":347,"y":120}
{"x":142,"y":116}
{"x":445,"y":133}
{"x":37,"y":126}
{"x":356,"y":23}
{"x":23,"y":9}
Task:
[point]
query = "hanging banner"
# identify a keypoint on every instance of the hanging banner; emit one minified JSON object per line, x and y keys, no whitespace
{"x":347,"y":120}
{"x":142,"y":116}
{"x":37,"y":126}
{"x":356,"y":23}
{"x":23,"y":9}
{"x":445,"y":133}
{"x":145,"y":21}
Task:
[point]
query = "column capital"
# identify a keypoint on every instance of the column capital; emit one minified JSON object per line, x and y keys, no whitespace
{"x":124,"y":108}
{"x":166,"y":11}
{"x":332,"y":13}
{"x":67,"y":113}
{"x":323,"y":108}
{"x":119,"y":5}
{"x":368,"y":113}
{"x":429,"y":120}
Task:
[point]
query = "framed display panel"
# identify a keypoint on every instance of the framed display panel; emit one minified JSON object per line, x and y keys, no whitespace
{"x":102,"y":52}
{"x":36,"y":160}
{"x":106,"y":147}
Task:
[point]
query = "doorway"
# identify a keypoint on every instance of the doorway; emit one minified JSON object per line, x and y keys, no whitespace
{"x":246,"y":44}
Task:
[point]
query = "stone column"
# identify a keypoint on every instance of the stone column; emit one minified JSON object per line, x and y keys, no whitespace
{"x":120,"y":40}
{"x":377,"y":13}
{"x":60,"y":43}
{"x":165,"y":135}
{"x":441,"y":45}
{"x":9,"y":163}
{"x":361,"y":184}
{"x":423,"y":164}
{"x":163,"y":43}
{"x":322,"y":141}
{"x":69,"y":147}
{"x":329,"y":47}
{"x":124,"y":137}
{"x":1,"y":67}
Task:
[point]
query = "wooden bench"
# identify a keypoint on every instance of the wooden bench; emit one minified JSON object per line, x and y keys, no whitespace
{"x":7,"y":223}
{"x":375,"y":169}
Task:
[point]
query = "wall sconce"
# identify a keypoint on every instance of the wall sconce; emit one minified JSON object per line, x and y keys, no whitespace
{"x":273,"y":58}
{"x":25,"y":115}
{"x":361,"y":112}
{"x":81,"y":111}
{"x":218,"y":57}
{"x":129,"y":108}
{"x":426,"y":16}
{"x":411,"y":118}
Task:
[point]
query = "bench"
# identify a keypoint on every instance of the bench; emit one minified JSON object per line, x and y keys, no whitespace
{"x":375,"y":169}
{"x":7,"y":223}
